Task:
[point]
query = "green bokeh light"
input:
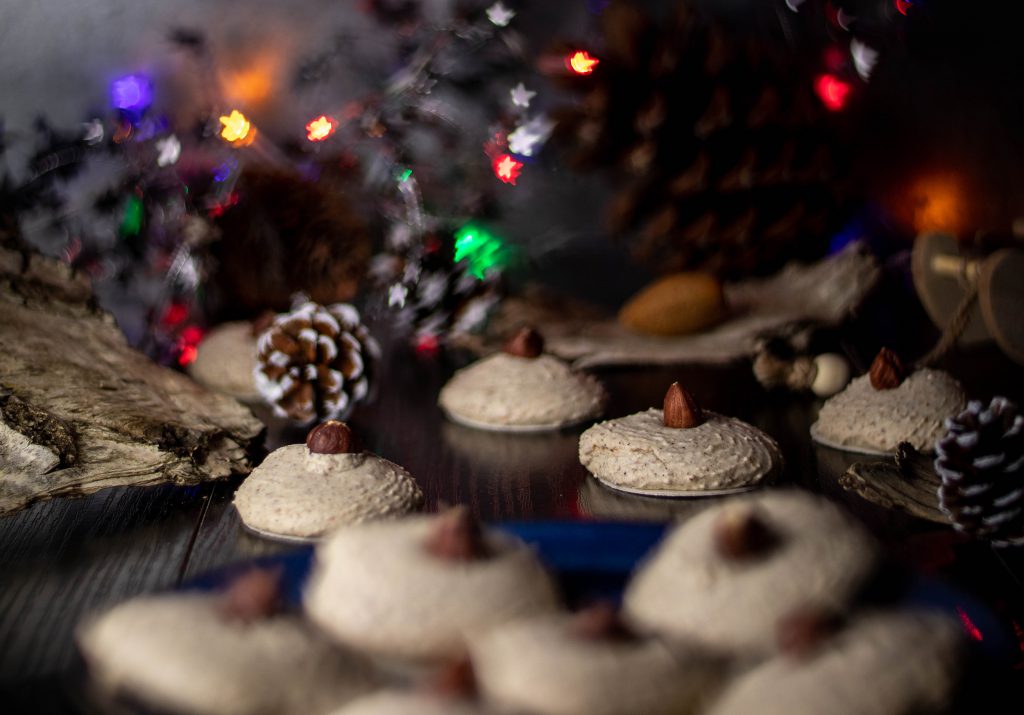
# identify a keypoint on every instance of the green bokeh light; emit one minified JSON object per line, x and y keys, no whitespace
{"x":131,"y":223}
{"x":483,"y":251}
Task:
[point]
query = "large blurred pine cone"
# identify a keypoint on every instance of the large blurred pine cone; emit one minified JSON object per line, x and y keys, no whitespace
{"x":316,"y":362}
{"x":981,"y":464}
{"x":723,"y":149}
{"x":287,"y":235}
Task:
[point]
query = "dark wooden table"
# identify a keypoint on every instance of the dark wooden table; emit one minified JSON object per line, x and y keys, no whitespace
{"x":65,"y":558}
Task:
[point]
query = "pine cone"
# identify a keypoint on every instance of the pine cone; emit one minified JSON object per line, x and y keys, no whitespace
{"x":287,"y":234}
{"x":981,"y":463}
{"x":316,"y":362}
{"x":723,"y":152}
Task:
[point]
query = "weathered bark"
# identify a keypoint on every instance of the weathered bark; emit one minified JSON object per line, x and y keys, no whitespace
{"x":913,"y":490}
{"x":80,"y":410}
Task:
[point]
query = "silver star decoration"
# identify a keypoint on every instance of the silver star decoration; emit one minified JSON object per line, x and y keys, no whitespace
{"x":499,"y":14}
{"x":92,"y":132}
{"x":184,"y":269}
{"x":864,"y":58}
{"x":432,"y":289}
{"x":412,"y":271}
{"x":169,"y":149}
{"x":521,"y":96}
{"x":527,"y":138}
{"x":400,"y":236}
{"x":474,"y":314}
{"x":397,"y":295}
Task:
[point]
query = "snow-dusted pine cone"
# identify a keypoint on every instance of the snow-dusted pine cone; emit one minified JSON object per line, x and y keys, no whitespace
{"x":981,"y":463}
{"x":316,"y":362}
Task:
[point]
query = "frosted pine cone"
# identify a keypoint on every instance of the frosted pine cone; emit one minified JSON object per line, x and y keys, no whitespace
{"x":981,"y":463}
{"x":316,"y":362}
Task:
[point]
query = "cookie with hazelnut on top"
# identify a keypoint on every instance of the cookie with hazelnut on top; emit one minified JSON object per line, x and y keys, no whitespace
{"x":303,"y":491}
{"x":679,"y":450}
{"x":521,"y":388}
{"x":887,"y":406}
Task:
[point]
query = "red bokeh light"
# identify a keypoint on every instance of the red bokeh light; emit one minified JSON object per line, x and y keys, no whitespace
{"x":507,"y":168}
{"x":187,"y":356}
{"x":174,"y":314}
{"x":832,"y":91}
{"x":428,"y":346}
{"x":969,"y":627}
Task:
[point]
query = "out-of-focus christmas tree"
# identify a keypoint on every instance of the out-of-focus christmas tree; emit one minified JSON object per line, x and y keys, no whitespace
{"x":225,"y":174}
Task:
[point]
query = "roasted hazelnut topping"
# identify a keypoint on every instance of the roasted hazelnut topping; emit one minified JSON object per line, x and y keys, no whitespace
{"x":680,"y":410}
{"x":801,"y":631}
{"x":455,"y":680}
{"x":457,"y":536}
{"x":331,"y":437}
{"x":253,"y":596}
{"x":601,"y":622}
{"x":887,"y":371}
{"x":740,"y":533}
{"x":526,"y":343}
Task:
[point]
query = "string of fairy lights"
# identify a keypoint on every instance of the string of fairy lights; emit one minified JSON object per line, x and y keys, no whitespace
{"x":154,"y":149}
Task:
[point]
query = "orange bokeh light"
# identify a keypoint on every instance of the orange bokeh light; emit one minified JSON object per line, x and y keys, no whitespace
{"x":237,"y":129}
{"x":581,"y":62}
{"x":252,"y":84}
{"x":937,"y":203}
{"x":321,"y":128}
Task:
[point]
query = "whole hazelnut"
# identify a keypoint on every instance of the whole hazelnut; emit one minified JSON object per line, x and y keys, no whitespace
{"x":330,"y":437}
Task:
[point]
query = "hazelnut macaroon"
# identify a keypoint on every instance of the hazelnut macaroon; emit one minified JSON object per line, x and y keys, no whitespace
{"x":226,"y":358}
{"x":396,"y":702}
{"x":725,"y":578}
{"x":588,"y":663}
{"x":889,"y":405}
{"x":521,"y":389}
{"x":230,"y":653}
{"x":452,"y":691}
{"x":419,"y":587}
{"x":303,"y":491}
{"x":679,"y":450}
{"x":898,"y":663}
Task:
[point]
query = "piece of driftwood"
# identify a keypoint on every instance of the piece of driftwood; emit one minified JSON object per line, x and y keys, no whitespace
{"x":825,"y":292}
{"x":80,"y":410}
{"x":913,"y":489}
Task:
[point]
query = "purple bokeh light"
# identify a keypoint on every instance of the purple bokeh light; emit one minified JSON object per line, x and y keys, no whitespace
{"x":131,"y":93}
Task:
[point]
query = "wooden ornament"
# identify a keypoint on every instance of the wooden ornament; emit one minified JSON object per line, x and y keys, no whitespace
{"x":1001,"y":299}
{"x":942,"y":279}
